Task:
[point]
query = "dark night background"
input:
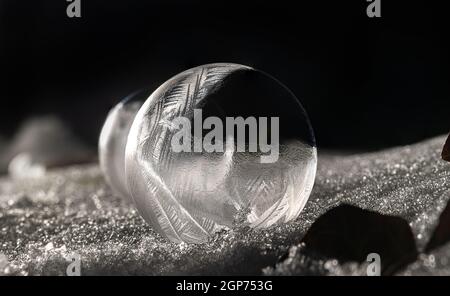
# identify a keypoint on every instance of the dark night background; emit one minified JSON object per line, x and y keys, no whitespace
{"x":366,"y":83}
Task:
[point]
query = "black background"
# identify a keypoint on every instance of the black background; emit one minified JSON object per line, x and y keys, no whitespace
{"x":366,"y":83}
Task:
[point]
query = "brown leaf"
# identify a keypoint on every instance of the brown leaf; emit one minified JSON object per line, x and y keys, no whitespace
{"x":349,"y":234}
{"x":446,"y":150}
{"x":441,"y":233}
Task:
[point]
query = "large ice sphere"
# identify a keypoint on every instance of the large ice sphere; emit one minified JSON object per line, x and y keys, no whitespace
{"x":195,"y":163}
{"x":113,"y":139}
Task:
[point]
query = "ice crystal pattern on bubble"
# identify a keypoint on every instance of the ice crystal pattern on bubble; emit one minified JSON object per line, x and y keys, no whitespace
{"x":188,"y":196}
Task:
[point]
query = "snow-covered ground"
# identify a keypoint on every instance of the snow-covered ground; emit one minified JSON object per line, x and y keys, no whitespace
{"x":45,"y":220}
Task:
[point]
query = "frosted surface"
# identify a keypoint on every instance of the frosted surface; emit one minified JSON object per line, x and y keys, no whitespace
{"x":73,"y":210}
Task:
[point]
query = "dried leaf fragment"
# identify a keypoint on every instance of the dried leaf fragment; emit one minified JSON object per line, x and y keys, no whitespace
{"x":446,"y":150}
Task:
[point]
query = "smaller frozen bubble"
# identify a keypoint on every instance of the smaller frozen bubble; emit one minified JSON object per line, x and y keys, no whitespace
{"x":113,"y":139}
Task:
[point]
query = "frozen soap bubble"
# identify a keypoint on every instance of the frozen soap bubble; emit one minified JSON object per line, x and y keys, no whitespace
{"x":113,"y":139}
{"x":218,"y":145}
